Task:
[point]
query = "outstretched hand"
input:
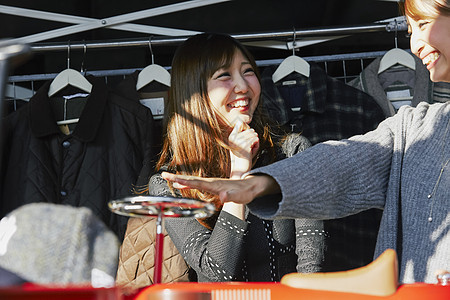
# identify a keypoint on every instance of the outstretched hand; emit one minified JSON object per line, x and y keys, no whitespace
{"x":241,"y":191}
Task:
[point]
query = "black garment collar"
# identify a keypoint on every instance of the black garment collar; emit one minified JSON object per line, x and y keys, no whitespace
{"x":43,"y":121}
{"x":316,"y":88}
{"x":127,"y":87}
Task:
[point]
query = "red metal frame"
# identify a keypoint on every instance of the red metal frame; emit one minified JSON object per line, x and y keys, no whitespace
{"x":218,"y":291}
{"x":278,"y":291}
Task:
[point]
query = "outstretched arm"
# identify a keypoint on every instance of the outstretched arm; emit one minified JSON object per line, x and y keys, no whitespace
{"x":241,"y":191}
{"x":244,"y":144}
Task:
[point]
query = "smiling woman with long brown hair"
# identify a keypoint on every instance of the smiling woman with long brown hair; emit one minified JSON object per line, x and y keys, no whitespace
{"x":196,"y":132}
{"x":214,"y":128}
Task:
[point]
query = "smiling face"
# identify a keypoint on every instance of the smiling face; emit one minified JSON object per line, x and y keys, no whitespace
{"x":234,"y":91}
{"x":430,"y":41}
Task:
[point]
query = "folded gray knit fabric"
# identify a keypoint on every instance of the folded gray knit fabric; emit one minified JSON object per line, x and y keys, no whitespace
{"x":58,"y":244}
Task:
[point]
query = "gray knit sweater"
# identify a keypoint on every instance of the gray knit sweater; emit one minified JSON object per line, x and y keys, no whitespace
{"x":394,"y":167}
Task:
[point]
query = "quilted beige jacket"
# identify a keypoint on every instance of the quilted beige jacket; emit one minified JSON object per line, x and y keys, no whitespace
{"x":137,"y":254}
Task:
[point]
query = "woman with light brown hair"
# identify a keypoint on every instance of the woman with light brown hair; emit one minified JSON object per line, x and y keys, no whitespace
{"x":214,"y":128}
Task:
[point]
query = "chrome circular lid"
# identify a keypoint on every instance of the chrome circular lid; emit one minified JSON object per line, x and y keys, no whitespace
{"x":152,"y":206}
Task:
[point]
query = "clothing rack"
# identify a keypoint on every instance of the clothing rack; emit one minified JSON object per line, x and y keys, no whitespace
{"x":287,"y":36}
{"x":361,"y":59}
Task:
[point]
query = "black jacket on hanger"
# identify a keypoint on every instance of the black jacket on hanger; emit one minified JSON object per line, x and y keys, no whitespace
{"x":127,"y":89}
{"x":98,"y":162}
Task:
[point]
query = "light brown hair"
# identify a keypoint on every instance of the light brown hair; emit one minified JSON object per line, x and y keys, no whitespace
{"x":425,"y":9}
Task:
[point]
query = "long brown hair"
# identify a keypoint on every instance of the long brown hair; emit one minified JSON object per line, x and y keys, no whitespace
{"x":194,"y":137}
{"x":424,"y":9}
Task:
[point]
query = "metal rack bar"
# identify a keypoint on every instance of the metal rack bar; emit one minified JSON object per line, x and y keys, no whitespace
{"x":161,"y":41}
{"x":260,"y":63}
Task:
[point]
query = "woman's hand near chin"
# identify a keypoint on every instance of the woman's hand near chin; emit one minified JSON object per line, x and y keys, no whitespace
{"x":244,"y":144}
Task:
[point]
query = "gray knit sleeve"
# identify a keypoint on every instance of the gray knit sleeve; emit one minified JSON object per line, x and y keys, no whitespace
{"x":332,"y":179}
